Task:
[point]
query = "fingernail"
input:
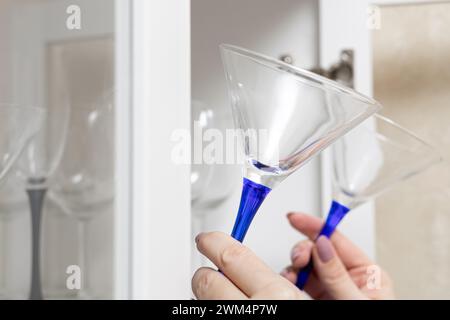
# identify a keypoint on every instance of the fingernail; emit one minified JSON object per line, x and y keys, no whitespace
{"x":284,"y":273}
{"x":289,"y":214}
{"x":324,"y":249}
{"x":197,"y":237}
{"x":296,"y":253}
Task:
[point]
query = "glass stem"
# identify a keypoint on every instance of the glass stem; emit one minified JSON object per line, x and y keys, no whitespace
{"x":253,"y":195}
{"x":36,"y":199}
{"x":335,"y":215}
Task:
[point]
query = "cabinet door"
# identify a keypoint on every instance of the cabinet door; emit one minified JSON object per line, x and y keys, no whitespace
{"x":59,"y":56}
{"x":346,"y":25}
{"x":349,"y":24}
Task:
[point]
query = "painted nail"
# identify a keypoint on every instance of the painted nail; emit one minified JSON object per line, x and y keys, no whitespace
{"x":324,"y":249}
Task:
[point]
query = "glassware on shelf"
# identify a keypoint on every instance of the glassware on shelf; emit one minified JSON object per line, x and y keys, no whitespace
{"x":209,"y":124}
{"x":285,"y":116}
{"x":202,"y":119}
{"x":84,"y":182}
{"x":18,"y":125}
{"x":36,"y":167}
{"x":385,"y":154}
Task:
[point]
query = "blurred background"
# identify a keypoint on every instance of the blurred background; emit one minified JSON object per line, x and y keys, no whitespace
{"x":117,"y":78}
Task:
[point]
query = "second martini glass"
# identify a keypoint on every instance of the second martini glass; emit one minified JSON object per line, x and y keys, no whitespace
{"x":285,"y":115}
{"x":386,"y":154}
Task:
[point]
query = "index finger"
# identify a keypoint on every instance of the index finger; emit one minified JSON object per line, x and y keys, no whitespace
{"x":350,"y":254}
{"x":236,"y":261}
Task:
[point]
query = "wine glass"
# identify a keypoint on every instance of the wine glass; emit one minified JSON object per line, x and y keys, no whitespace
{"x":84,"y":183}
{"x":203,"y":119}
{"x":36,"y":167}
{"x":17,"y":126}
{"x":207,"y":167}
{"x":285,"y":115}
{"x":386,"y":155}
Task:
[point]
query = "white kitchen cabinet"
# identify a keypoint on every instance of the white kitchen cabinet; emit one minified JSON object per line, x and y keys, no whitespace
{"x":308,"y":32}
{"x":165,"y":55}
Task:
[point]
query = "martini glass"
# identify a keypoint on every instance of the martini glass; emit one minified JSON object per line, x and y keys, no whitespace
{"x":386,"y":154}
{"x":284,"y":115}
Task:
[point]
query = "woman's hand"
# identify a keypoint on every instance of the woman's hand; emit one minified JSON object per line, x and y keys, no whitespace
{"x":244,"y":274}
{"x":341,"y":270}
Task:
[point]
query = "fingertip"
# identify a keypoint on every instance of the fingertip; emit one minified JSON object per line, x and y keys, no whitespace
{"x":197,"y":237}
{"x":196,"y":278}
{"x":289,"y":274}
{"x":291,"y":277}
{"x":299,"y":219}
{"x":289,"y":214}
{"x":306,"y":223}
{"x":294,"y":214}
{"x":301,"y":254}
{"x":200,"y":240}
{"x":211,"y":237}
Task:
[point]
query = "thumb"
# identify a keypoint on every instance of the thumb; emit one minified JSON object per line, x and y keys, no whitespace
{"x":332,"y":273}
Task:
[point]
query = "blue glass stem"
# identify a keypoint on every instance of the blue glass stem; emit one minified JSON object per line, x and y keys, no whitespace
{"x":253,"y":195}
{"x":335,"y":215}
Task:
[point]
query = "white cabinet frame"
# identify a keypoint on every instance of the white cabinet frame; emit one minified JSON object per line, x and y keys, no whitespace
{"x":153,"y":194}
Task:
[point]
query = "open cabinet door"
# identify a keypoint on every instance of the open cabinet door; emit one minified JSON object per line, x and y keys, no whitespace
{"x":153,"y":205}
{"x":349,"y":24}
{"x":346,"y":25}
